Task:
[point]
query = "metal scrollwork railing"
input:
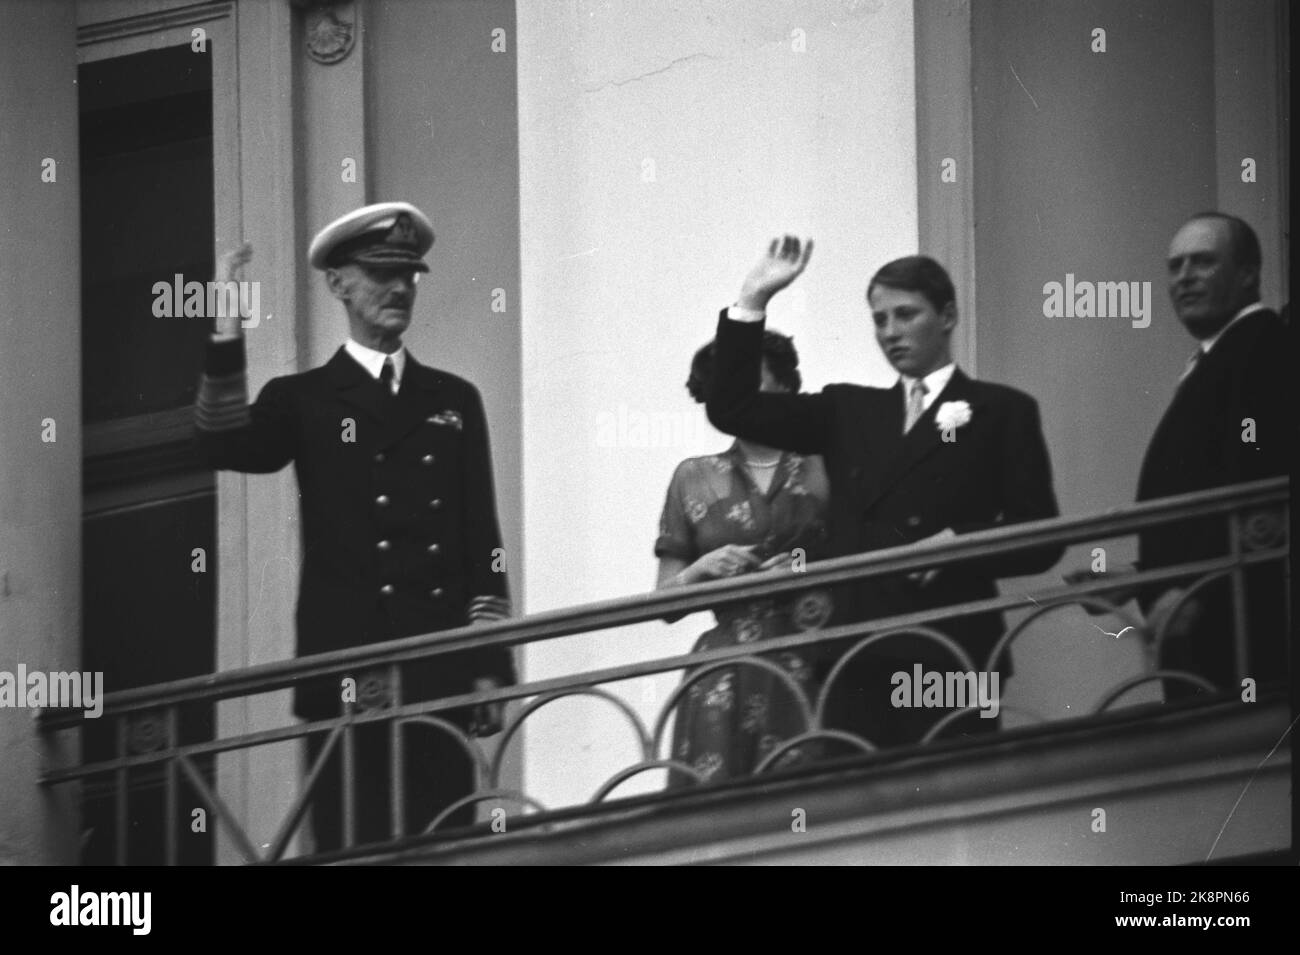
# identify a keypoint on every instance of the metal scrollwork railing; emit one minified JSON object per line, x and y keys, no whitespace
{"x":1255,"y":518}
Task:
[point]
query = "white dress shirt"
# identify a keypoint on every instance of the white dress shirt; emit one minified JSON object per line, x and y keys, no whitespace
{"x":738,"y":314}
{"x":373,"y":361}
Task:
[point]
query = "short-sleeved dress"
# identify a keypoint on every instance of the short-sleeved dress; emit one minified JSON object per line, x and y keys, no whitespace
{"x":729,"y":720}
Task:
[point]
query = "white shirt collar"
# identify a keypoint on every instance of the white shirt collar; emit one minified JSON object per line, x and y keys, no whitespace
{"x":373,"y":361}
{"x":1208,"y":343}
{"x":935,"y":382}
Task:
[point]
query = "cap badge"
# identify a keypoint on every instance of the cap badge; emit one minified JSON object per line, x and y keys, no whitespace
{"x":402,"y":233}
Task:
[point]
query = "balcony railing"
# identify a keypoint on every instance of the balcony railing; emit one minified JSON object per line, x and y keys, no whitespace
{"x":1256,"y":518}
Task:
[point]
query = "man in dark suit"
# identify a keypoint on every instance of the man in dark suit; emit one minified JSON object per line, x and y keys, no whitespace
{"x":1227,"y":424}
{"x":936,"y":455}
{"x":399,"y":526}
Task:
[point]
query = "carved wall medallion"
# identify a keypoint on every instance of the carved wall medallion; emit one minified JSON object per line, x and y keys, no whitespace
{"x":330,"y":36}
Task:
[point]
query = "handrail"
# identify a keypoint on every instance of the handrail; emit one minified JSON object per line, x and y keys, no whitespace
{"x":638,"y":608}
{"x":1250,"y":543}
{"x":627,"y":671}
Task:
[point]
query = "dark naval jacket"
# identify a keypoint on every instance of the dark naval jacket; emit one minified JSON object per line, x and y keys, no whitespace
{"x":399,"y":525}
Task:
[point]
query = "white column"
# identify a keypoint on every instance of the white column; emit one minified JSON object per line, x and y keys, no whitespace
{"x":40,"y":388}
{"x":257,"y":515}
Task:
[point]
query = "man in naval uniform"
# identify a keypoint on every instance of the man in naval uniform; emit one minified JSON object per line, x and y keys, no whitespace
{"x":399,"y":525}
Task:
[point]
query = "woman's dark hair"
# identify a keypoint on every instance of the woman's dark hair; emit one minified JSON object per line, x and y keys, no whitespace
{"x":778,"y":352}
{"x":916,"y":273}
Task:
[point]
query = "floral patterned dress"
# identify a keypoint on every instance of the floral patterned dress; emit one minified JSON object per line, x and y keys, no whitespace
{"x":731,"y":718}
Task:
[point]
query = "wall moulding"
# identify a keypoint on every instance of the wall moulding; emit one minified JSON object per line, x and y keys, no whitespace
{"x":143,"y":23}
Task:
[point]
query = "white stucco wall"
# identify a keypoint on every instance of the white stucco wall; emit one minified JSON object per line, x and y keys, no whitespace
{"x":661,"y":144}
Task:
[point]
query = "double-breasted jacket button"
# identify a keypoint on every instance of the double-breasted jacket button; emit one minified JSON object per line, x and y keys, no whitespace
{"x":387,"y":590}
{"x":436,"y":503}
{"x":427,"y":459}
{"x":382,"y":500}
{"x":380,"y":457}
{"x":385,"y":545}
{"x":913,"y":521}
{"x":434,"y":549}
{"x":436,"y":593}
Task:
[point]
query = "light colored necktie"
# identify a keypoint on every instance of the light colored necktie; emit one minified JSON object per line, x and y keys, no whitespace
{"x":915,"y":404}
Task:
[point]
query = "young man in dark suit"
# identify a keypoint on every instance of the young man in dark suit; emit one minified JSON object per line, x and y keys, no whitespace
{"x":1227,"y":424}
{"x":936,"y":455}
{"x":399,"y":526}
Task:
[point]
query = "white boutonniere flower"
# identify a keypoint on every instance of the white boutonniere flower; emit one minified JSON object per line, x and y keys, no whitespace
{"x":952,"y":415}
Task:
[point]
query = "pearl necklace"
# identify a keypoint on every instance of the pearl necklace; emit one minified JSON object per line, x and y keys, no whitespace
{"x":762,"y":466}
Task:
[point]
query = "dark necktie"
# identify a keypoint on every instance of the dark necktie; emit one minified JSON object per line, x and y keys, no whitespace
{"x":386,"y":377}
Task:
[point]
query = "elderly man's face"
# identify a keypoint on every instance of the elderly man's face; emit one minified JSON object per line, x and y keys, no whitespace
{"x":1206,"y":284}
{"x":378,"y":300}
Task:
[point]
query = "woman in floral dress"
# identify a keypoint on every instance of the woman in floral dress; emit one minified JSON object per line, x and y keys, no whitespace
{"x":746,"y":509}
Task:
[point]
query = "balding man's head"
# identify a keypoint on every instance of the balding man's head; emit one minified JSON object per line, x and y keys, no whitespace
{"x":1213,"y":267}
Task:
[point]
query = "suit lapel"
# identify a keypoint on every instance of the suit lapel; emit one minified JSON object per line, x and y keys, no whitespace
{"x":1224,"y":353}
{"x":355,"y":386}
{"x":413,"y":404}
{"x":1208,"y":368}
{"x":923,"y":439}
{"x":396,"y":416}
